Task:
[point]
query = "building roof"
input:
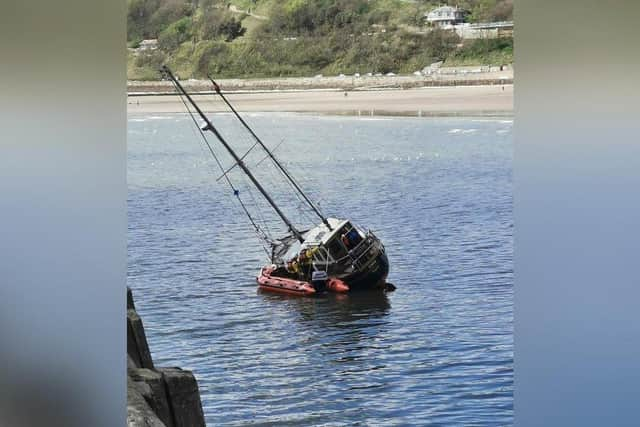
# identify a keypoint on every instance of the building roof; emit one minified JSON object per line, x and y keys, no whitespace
{"x":444,"y":13}
{"x":445,"y":9}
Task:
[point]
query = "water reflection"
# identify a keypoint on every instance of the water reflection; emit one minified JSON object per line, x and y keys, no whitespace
{"x":333,"y":309}
{"x":348,"y":330}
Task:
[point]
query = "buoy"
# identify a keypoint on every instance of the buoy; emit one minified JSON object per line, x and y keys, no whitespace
{"x":337,"y":285}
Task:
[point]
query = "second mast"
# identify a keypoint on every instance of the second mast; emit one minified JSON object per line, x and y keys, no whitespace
{"x":238,"y":160}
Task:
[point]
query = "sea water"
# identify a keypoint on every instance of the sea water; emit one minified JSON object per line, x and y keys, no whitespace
{"x":438,"y":193}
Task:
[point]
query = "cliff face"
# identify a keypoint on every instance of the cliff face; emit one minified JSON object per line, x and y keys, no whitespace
{"x":157,"y":397}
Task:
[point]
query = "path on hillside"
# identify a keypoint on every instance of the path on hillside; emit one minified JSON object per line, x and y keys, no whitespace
{"x":233,"y":8}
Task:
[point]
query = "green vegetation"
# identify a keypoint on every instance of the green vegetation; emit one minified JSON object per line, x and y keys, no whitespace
{"x":272,"y":38}
{"x":487,"y":51}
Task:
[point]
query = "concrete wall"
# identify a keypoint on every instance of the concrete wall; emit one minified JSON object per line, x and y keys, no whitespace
{"x":451,"y":76}
{"x":476,"y":33}
{"x":157,"y":397}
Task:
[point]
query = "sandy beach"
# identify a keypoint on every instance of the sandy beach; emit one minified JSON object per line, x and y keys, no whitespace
{"x":458,"y":100}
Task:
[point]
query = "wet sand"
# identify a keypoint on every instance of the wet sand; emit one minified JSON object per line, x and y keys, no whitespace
{"x":459,"y":100}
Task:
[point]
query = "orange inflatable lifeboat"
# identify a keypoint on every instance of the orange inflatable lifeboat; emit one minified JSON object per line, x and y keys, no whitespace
{"x":267,"y":281}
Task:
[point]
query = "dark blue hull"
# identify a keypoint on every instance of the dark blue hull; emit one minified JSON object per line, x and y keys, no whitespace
{"x":373,"y":276}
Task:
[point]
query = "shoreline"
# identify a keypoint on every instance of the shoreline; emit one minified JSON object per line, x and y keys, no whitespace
{"x":430,"y":101}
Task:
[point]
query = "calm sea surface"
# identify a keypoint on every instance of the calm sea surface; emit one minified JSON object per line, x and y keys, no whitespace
{"x":437,"y":351}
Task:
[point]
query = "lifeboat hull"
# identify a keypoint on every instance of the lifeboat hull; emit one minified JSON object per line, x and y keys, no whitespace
{"x":268,"y":282}
{"x":283,"y":285}
{"x":336,"y":285}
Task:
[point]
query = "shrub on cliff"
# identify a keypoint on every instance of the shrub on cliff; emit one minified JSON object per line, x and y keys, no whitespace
{"x":175,"y":34}
{"x":147,"y":18}
{"x":487,"y":51}
{"x":216,"y":24}
{"x":152,"y":59}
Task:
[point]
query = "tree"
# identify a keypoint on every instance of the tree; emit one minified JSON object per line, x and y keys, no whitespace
{"x":215,"y":24}
{"x":440,"y":43}
{"x":175,"y":34}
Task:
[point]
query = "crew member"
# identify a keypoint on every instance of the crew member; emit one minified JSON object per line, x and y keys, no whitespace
{"x":293,"y":267}
{"x":345,"y":241}
{"x":305,"y":261}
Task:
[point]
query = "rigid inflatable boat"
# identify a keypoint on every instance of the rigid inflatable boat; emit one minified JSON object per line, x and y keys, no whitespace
{"x":269,"y":281}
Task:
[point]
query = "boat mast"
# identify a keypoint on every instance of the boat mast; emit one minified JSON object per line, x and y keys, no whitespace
{"x":238,"y":160}
{"x":282,"y":168}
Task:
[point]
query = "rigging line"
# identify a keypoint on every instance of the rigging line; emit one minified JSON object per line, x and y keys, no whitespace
{"x":259,"y":210}
{"x":300,"y":203}
{"x":302,"y":214}
{"x":300,"y":206}
{"x":292,"y":181}
{"x":307,"y":182}
{"x":272,"y":151}
{"x":267,"y":229}
{"x":274,"y":175}
{"x":210,"y":127}
{"x":281,"y":167}
{"x":297,"y":191}
{"x":236,"y":164}
{"x":293,"y":198}
{"x":262,"y":235}
{"x":235,"y":191}
{"x":305,"y":213}
{"x":207,"y":162}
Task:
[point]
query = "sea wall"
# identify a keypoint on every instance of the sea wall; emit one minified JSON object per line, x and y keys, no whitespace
{"x":445,"y":76}
{"x":157,"y":397}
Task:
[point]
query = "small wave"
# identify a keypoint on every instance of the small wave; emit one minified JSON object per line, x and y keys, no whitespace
{"x":462,"y":131}
{"x":160,"y":118}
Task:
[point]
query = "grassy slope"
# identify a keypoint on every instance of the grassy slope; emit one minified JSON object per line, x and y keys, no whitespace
{"x":243,"y":57}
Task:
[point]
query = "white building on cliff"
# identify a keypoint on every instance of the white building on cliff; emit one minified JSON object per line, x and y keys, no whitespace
{"x":445,"y":16}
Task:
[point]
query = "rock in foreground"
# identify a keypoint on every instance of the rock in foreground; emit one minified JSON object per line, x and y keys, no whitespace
{"x":164,"y":397}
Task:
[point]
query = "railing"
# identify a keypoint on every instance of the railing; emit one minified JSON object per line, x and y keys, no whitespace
{"x":354,"y":256}
{"x":490,"y":25}
{"x":317,"y":263}
{"x":360,"y":254}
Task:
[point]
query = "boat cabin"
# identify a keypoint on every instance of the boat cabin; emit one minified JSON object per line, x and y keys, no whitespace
{"x":335,"y":244}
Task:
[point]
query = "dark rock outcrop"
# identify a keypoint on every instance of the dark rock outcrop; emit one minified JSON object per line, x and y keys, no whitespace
{"x":150,"y":384}
{"x":139,"y":412}
{"x":137,"y":347}
{"x":185,"y":403}
{"x":164,"y":397}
